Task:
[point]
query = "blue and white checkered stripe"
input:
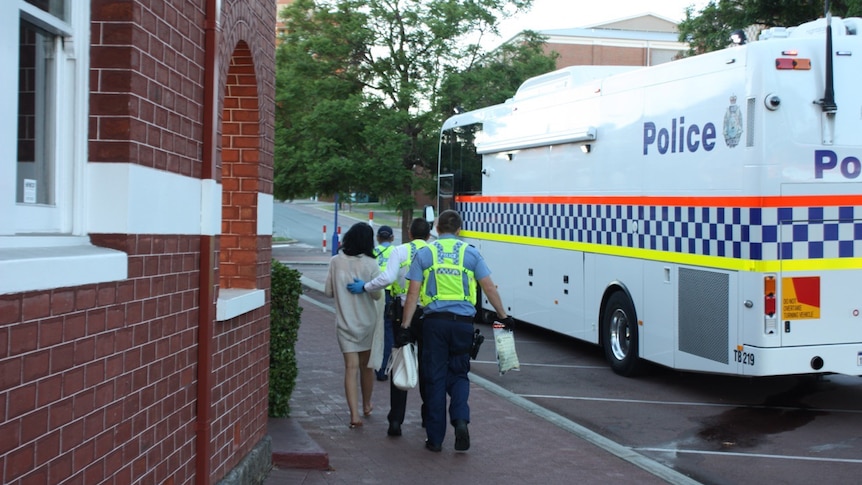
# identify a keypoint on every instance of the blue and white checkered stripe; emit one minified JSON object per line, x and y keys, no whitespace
{"x":752,"y":233}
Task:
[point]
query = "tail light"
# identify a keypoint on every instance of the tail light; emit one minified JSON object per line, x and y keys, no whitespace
{"x":769,"y":295}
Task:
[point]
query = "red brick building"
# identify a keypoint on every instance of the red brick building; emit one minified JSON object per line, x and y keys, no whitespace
{"x":281,"y":4}
{"x":641,"y":40}
{"x":135,"y":231}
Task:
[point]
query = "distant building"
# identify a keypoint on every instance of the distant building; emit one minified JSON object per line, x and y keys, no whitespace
{"x":280,"y":5}
{"x":641,"y":40}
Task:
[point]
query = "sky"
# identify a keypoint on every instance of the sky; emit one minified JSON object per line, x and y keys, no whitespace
{"x":563,"y":14}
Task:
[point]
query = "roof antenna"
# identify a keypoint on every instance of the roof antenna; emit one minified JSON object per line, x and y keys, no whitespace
{"x":828,"y":102}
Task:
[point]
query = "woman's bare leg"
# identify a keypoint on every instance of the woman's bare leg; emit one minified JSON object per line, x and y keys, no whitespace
{"x":366,"y":380}
{"x":351,"y":387}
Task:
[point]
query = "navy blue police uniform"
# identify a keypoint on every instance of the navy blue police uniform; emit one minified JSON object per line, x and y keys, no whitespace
{"x":448,"y":269}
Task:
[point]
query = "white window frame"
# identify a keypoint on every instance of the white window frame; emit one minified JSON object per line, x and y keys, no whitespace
{"x":45,"y":247}
{"x":64,"y":120}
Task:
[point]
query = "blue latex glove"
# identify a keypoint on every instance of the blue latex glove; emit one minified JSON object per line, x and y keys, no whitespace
{"x":357,"y":287}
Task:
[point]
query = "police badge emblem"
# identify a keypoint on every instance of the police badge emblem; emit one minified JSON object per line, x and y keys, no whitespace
{"x":732,"y":124}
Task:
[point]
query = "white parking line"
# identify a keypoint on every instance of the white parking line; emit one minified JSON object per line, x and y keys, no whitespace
{"x":628,"y":454}
{"x":685,"y":403}
{"x":561,"y":366}
{"x":748,"y":455}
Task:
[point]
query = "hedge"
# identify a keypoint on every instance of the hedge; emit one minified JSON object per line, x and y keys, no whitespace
{"x":284,"y":328}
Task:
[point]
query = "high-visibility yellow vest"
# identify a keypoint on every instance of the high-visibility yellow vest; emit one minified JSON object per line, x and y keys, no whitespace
{"x":454,"y":282}
{"x":414,"y":246}
{"x":382,"y":252}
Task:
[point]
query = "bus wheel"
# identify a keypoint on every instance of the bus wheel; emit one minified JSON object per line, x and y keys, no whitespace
{"x":620,"y":335}
{"x":488,"y":316}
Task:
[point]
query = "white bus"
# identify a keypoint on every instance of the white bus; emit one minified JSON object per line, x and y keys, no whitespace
{"x":704,"y":214}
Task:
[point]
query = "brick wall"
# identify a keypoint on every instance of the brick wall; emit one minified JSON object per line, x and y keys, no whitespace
{"x":597,"y":55}
{"x":99,"y":377}
{"x":98,"y":383}
{"x":241,"y":355}
{"x":146,"y":84}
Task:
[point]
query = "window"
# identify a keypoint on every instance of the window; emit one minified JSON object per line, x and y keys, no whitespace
{"x":43,"y":114}
{"x":43,"y":148}
{"x":37,"y":78}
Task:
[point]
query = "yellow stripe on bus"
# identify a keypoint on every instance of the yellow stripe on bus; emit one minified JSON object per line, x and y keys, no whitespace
{"x":718,"y":262}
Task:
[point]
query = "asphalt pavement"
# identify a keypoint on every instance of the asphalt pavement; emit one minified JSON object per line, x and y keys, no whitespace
{"x":512,"y":440}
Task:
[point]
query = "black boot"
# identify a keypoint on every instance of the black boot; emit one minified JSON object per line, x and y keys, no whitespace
{"x":462,"y":436}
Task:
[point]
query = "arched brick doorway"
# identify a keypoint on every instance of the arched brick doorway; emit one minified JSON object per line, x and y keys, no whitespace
{"x":240,"y":172}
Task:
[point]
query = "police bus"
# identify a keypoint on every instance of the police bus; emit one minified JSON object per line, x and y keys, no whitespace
{"x":703,"y":214}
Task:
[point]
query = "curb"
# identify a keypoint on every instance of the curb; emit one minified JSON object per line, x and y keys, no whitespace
{"x":293,"y":448}
{"x":314,"y":285}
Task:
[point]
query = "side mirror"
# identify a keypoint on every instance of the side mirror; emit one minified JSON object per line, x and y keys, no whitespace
{"x":429,"y":216}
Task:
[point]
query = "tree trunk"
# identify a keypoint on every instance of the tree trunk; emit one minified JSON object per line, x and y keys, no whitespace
{"x":406,"y":219}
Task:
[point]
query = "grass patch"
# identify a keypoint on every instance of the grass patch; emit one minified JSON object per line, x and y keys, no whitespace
{"x":382,"y":214}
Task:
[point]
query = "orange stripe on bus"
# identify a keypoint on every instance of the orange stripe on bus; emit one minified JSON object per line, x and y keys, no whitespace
{"x":742,"y":201}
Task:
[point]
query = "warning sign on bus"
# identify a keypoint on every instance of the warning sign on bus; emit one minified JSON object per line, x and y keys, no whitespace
{"x":800,"y":298}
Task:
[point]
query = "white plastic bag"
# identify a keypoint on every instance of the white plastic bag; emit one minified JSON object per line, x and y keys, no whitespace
{"x":403,"y":367}
{"x":504,"y":341}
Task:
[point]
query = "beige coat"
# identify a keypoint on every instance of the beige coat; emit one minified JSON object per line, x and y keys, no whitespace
{"x":358,"y":321}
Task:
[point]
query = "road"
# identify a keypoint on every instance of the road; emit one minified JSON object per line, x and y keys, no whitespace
{"x":716,"y":429}
{"x":304,"y":221}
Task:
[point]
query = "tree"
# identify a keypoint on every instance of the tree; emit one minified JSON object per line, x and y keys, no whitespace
{"x":496,"y":77}
{"x":357,"y":85}
{"x":710,"y":29}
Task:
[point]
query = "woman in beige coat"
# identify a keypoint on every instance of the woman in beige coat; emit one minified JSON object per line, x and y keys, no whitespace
{"x":357,"y":317}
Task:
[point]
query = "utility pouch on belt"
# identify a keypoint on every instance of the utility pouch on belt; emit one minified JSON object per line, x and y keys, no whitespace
{"x":396,"y":310}
{"x":478,"y":338}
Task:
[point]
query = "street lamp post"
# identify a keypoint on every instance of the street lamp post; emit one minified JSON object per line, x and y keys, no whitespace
{"x":335,"y":228}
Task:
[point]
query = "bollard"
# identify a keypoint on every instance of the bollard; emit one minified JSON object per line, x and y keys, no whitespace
{"x":371,"y":219}
{"x":324,"y":238}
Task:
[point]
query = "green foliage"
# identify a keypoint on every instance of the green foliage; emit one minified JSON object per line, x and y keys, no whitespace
{"x":284,"y":328}
{"x":710,"y":29}
{"x":497,"y":76}
{"x":357,"y":82}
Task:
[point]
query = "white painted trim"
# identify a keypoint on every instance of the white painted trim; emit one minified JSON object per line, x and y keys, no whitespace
{"x":264,"y":214}
{"x":9,"y":39}
{"x":211,"y":206}
{"x":131,"y":199}
{"x":44,"y":268}
{"x":607,"y":42}
{"x":235,"y":302}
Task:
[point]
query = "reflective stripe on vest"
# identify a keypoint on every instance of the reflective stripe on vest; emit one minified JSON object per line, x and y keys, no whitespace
{"x":414,"y":247}
{"x":454,"y":282}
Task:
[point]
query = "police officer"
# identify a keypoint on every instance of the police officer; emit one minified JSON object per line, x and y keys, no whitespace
{"x":382,"y":251}
{"x":393,"y":277}
{"x":443,"y":277}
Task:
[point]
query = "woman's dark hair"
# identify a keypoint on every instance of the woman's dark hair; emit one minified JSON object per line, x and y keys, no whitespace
{"x":358,"y":240}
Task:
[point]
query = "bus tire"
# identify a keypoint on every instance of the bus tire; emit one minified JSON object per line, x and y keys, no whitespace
{"x":620,"y":335}
{"x":488,"y":316}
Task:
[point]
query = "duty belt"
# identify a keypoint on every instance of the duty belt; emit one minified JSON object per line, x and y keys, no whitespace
{"x":448,"y":316}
